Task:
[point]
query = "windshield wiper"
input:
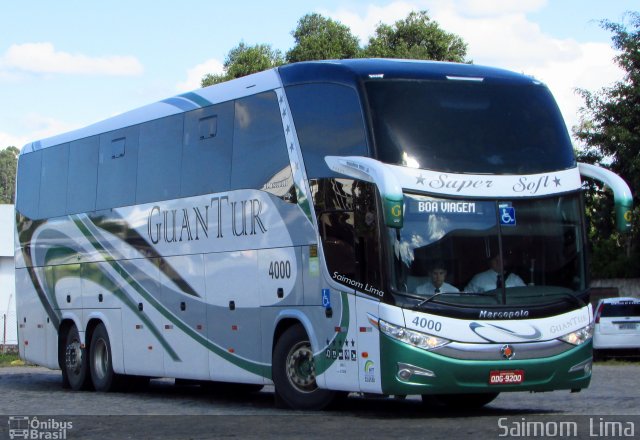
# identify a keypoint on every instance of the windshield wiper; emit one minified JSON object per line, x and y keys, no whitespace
{"x":423,"y":302}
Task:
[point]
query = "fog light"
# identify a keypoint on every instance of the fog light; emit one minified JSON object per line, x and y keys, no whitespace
{"x":407,"y":371}
{"x":582,"y":366}
{"x":404,"y":375}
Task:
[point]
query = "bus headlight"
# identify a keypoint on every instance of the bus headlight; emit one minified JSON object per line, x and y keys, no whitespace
{"x":579,"y":336}
{"x":411,"y":337}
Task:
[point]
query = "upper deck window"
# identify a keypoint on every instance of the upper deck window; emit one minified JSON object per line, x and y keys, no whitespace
{"x":329,"y":122}
{"x":468,"y":126}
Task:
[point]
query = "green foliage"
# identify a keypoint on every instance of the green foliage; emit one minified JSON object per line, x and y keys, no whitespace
{"x":321,"y":38}
{"x":7,"y":359}
{"x":8,"y":164}
{"x":610,"y":260}
{"x":610,"y":129}
{"x":416,"y":37}
{"x":213,"y":78}
{"x":244,"y":60}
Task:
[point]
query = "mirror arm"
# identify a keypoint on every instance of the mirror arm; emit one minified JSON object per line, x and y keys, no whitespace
{"x":371,"y":170}
{"x":622,"y":197}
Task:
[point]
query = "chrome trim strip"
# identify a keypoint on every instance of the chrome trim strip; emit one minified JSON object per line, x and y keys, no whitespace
{"x":416,"y":370}
{"x":582,"y":366}
{"x":491,"y":352}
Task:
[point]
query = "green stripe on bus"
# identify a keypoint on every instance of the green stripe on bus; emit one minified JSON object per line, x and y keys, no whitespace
{"x":251,"y":366}
{"x":197,"y":99}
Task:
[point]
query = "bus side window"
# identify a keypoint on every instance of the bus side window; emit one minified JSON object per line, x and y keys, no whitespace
{"x":206,"y":159}
{"x":349,"y":230}
{"x":117,"y":168}
{"x":259,"y":147}
{"x":83,"y":175}
{"x":338,"y":240}
{"x":159,"y":157}
{"x":53,"y":181}
{"x":28,"y":197}
{"x":329,"y":122}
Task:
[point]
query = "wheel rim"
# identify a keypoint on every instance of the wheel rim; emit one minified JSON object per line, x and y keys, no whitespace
{"x":100,"y":358}
{"x":301,"y":370}
{"x":73,"y":358}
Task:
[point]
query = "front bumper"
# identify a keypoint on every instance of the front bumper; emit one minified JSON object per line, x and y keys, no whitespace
{"x":410,"y":370}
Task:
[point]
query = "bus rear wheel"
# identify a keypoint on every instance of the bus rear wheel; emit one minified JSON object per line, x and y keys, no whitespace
{"x":74,"y":367}
{"x":100,"y":360}
{"x":294,"y":373}
{"x":460,"y":401}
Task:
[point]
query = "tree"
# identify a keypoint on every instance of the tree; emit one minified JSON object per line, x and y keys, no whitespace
{"x":321,"y":38}
{"x":416,"y":37}
{"x":610,"y":130}
{"x":244,"y":60}
{"x":8,"y":164}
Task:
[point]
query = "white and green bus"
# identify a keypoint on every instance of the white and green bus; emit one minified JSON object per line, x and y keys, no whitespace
{"x":284,"y":228}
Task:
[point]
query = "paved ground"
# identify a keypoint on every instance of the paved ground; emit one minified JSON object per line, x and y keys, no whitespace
{"x":168,"y":411}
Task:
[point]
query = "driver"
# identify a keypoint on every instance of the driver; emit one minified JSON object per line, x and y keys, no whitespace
{"x":436,"y":284}
{"x":492,"y":278}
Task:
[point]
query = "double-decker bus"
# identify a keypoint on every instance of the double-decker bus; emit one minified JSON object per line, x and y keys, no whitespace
{"x":293,"y":227}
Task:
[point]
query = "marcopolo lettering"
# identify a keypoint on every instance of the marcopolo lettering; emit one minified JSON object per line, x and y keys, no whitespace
{"x":510,"y":314}
{"x":195,"y":222}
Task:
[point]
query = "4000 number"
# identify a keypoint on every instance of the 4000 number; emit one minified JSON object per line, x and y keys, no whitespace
{"x":280,"y":270}
{"x":428,"y":324}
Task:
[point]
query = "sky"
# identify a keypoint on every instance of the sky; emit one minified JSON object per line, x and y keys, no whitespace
{"x":66,"y":64}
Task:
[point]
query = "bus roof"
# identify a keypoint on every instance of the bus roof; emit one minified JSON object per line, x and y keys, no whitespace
{"x":248,"y":85}
{"x":350,"y":72}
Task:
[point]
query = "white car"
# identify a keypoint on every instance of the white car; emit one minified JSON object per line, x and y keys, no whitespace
{"x":617,"y":325}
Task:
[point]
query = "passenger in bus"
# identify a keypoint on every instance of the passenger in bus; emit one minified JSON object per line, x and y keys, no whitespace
{"x":436,"y":284}
{"x":492,"y":278}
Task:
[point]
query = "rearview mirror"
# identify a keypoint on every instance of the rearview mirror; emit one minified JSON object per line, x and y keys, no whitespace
{"x":371,"y":170}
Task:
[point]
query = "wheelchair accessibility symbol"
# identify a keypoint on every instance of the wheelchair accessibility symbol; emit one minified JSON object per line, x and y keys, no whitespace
{"x":326,"y":298}
{"x":507,"y":216}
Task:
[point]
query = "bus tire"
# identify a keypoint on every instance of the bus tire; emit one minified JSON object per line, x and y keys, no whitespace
{"x":460,"y":401}
{"x":100,"y":361}
{"x":294,"y":372}
{"x":75,"y":368}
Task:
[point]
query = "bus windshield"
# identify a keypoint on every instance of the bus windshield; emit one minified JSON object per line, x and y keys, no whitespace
{"x":520,"y":252}
{"x":468,"y":126}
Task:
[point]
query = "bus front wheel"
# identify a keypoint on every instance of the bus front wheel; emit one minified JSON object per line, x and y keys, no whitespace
{"x":294,"y":373}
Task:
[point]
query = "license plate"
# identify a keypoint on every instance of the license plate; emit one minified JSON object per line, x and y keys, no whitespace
{"x":506,"y":377}
{"x":627,"y":326}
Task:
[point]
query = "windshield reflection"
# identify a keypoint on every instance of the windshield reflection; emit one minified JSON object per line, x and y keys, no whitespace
{"x":487,"y":251}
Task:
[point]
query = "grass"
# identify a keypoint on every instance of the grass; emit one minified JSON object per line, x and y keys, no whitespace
{"x":612,"y":362}
{"x":7,"y":360}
